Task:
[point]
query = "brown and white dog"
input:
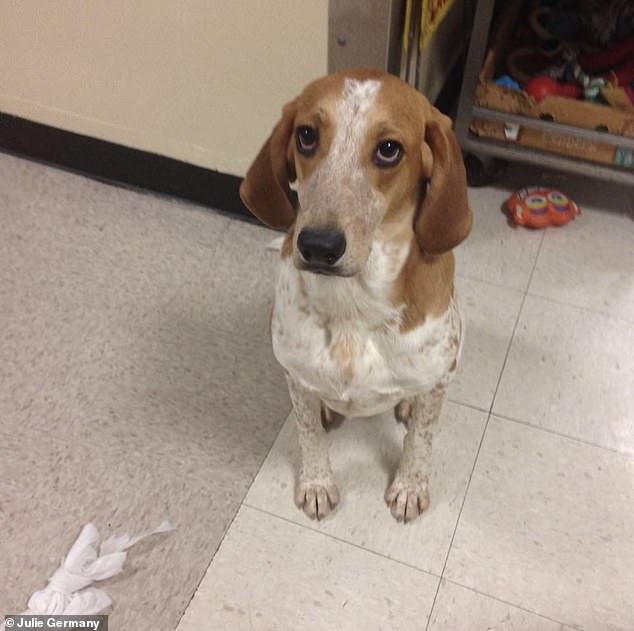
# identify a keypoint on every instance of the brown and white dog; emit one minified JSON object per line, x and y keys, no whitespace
{"x":364,"y":318}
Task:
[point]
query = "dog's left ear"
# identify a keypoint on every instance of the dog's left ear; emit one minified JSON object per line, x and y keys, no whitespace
{"x":444,"y":218}
{"x":265,"y":190}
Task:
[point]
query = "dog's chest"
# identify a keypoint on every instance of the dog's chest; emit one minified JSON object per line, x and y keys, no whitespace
{"x":348,"y":349}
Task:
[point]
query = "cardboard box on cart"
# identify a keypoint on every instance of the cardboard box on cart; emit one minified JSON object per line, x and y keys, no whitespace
{"x":578,"y":113}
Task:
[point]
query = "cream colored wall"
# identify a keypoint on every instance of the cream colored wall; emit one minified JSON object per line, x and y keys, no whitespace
{"x":198,"y":80}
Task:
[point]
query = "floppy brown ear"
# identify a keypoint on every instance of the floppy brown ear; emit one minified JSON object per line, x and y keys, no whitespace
{"x":444,"y":218}
{"x":264,"y":190}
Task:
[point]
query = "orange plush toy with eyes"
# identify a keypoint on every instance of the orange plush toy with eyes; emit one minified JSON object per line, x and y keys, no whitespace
{"x":538,"y":207}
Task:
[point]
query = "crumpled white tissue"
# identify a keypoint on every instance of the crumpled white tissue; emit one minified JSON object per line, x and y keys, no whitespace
{"x":68,"y":590}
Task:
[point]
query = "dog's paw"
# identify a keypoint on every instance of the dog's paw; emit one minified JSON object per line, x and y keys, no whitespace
{"x":407,"y":498}
{"x":316,"y":498}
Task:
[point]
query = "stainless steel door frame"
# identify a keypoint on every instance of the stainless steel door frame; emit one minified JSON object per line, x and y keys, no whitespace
{"x":365,"y":33}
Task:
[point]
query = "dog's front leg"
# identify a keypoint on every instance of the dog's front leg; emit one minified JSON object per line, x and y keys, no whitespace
{"x":316,"y":492}
{"x":408,"y":495}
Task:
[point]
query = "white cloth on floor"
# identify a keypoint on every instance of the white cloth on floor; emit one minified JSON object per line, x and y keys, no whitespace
{"x":68,"y":590}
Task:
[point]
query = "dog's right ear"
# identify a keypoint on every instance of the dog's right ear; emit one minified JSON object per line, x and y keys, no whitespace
{"x":265,"y":190}
{"x":444,"y":219}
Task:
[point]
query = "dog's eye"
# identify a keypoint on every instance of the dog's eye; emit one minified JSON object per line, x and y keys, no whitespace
{"x":307,"y":139}
{"x":388,"y":153}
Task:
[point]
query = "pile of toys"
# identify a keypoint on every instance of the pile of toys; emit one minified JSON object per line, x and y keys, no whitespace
{"x":576,"y":49}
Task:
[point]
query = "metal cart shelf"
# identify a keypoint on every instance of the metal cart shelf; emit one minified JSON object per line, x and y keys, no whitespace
{"x":511,"y":150}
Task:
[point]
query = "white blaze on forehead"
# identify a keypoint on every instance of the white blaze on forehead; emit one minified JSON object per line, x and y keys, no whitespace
{"x":357,"y":99}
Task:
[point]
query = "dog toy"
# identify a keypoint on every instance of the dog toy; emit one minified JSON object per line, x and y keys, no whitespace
{"x":592,"y":86}
{"x":568,"y":73}
{"x":597,"y":61}
{"x":524,"y":62}
{"x":552,"y":23}
{"x":615,"y":64}
{"x":538,"y":207}
{"x":542,"y":86}
{"x":506,"y":81}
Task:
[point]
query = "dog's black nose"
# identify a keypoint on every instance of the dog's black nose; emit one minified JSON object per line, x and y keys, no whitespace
{"x":321,"y":246}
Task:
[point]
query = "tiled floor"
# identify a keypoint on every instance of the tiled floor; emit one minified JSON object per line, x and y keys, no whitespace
{"x":137,"y":383}
{"x":530,"y":526}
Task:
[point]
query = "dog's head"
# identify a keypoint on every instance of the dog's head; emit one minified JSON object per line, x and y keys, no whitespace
{"x":364,"y":151}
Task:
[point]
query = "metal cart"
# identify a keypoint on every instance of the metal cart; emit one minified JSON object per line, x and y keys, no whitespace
{"x":512,"y":151}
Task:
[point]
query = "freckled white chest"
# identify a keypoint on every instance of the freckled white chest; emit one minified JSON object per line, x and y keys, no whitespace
{"x":340,"y":338}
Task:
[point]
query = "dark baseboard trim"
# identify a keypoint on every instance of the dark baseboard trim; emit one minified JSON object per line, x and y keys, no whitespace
{"x":121,"y":165}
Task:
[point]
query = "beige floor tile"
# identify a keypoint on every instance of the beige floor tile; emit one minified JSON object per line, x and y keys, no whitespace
{"x":547,"y":526}
{"x":272,"y":575}
{"x":590,"y":263}
{"x":364,"y":454}
{"x":459,"y":608}
{"x":570,"y":370}
{"x":496,"y":252}
{"x":490,"y":314}
{"x":500,"y":253}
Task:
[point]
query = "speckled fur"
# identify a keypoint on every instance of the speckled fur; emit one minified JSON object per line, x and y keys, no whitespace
{"x":408,"y":495}
{"x":385,"y":331}
{"x":385,"y":369}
